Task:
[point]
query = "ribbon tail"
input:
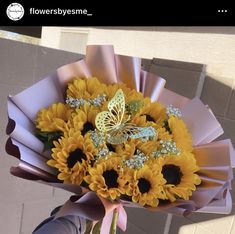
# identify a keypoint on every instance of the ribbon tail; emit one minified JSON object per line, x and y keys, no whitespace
{"x":122,"y":218}
{"x":121,"y":222}
{"x":106,"y":224}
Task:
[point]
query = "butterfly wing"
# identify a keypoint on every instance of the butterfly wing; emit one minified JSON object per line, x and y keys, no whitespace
{"x":143,"y":132}
{"x":111,"y":120}
{"x":117,"y":106}
{"x":135,"y":132}
{"x":120,"y":135}
{"x":117,"y":137}
{"x":130,"y":129}
{"x":105,"y":121}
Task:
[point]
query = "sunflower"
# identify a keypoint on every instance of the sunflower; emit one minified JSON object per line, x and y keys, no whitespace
{"x":130,"y":94}
{"x":85,"y":88}
{"x":133,"y":147}
{"x":83,"y":119}
{"x":163,"y":134}
{"x":130,"y":148}
{"x":180,"y":134}
{"x":152,"y":114}
{"x":180,"y":175}
{"x":106,"y":178}
{"x":146,"y":185}
{"x":53,"y":118}
{"x":71,"y":156}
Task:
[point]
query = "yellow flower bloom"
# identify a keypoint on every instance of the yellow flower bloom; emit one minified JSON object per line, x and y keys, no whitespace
{"x":152,"y":114}
{"x":179,"y":173}
{"x":163,"y":134}
{"x":180,"y":134}
{"x":71,"y":156}
{"x":146,"y":186}
{"x":130,"y":148}
{"x":130,"y":94}
{"x":83,"y":119}
{"x":106,"y":178}
{"x":85,"y":88}
{"x":53,"y":118}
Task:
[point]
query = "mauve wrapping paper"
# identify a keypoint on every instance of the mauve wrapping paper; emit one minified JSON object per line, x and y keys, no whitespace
{"x":215,"y":159}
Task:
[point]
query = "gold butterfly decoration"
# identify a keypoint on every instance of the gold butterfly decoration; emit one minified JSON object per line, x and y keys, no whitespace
{"x":114,"y":124}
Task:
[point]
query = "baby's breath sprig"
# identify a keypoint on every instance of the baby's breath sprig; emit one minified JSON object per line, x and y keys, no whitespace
{"x":166,"y":147}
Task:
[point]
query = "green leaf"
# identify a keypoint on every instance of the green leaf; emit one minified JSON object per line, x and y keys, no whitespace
{"x":48,"y":145}
{"x":88,"y":226}
{"x":97,"y":227}
{"x":113,"y":228}
{"x":48,"y":137}
{"x":93,"y":230}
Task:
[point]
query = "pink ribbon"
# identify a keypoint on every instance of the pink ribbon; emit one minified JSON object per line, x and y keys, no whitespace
{"x":109,"y":211}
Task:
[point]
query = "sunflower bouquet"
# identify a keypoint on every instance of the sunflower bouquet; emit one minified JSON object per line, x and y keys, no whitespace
{"x":119,"y":144}
{"x":111,"y":133}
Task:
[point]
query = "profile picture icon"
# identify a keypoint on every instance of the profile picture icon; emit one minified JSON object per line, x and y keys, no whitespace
{"x":15,"y":11}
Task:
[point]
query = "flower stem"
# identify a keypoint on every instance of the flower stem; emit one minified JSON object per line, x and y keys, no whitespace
{"x":113,"y":228}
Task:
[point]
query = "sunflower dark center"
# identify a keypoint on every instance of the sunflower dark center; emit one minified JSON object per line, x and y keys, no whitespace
{"x":149,"y":118}
{"x":144,"y":185}
{"x":74,"y":157}
{"x":110,"y":177}
{"x":111,"y":148}
{"x":172,"y":174}
{"x":163,"y":202}
{"x":125,"y":197}
{"x":167,"y":127}
{"x":87,"y":127}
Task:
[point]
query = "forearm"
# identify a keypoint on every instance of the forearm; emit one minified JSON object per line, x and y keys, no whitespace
{"x":63,"y":225}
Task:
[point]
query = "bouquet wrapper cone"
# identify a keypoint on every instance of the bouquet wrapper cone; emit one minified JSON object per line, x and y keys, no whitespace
{"x":215,"y":158}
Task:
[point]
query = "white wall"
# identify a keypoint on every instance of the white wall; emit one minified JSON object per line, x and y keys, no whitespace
{"x":215,"y":50}
{"x":66,"y":38}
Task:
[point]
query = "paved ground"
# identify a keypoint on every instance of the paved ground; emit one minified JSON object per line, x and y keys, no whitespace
{"x":24,"y":204}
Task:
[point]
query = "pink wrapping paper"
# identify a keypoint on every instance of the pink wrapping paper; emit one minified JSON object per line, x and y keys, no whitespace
{"x":215,"y":159}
